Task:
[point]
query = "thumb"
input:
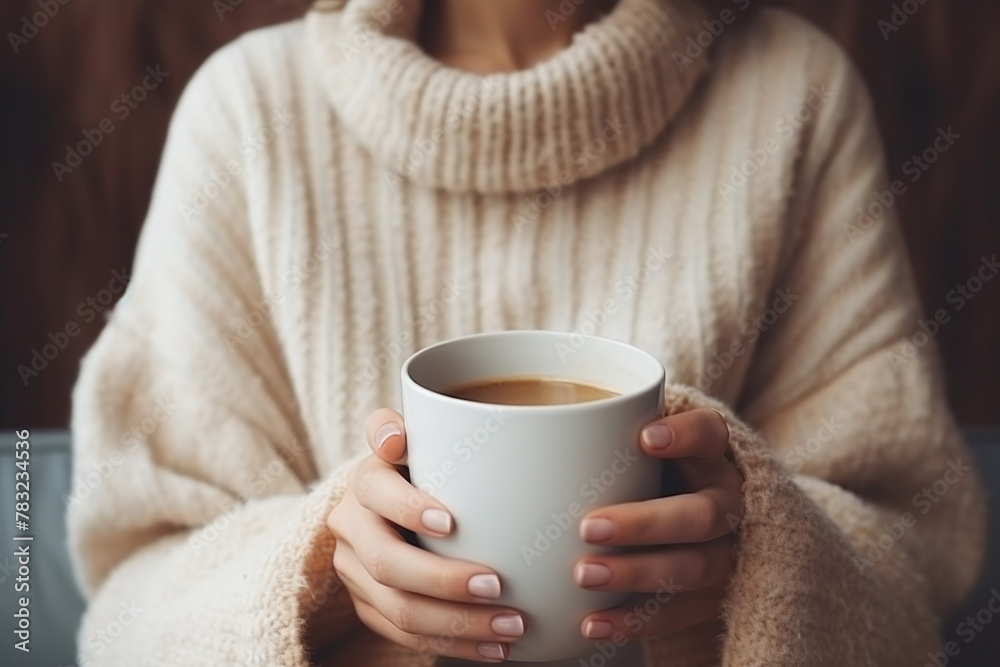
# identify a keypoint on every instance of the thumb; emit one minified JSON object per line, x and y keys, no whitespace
{"x":387,"y":436}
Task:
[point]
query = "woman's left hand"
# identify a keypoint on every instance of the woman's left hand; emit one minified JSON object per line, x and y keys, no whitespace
{"x":690,"y":536}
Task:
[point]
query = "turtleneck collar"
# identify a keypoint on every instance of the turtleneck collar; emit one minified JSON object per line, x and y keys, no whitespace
{"x":594,"y":105}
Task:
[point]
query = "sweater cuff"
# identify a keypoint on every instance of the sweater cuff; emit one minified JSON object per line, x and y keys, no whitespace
{"x":324,"y":608}
{"x":796,"y":596}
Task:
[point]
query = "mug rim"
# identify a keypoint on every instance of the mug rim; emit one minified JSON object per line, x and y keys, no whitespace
{"x":610,"y":402}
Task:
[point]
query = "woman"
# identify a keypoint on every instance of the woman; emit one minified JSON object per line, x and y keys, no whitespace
{"x":342,"y":190}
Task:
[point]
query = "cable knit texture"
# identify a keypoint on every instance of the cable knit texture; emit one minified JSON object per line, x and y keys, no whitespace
{"x":331,"y":200}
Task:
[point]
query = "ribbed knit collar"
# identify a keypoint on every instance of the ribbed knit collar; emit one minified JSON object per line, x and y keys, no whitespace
{"x":593,"y":105}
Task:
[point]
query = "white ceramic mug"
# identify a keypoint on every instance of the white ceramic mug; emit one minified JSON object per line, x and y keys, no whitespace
{"x":517,"y":479}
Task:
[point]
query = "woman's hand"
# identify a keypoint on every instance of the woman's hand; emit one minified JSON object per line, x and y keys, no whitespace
{"x":685,"y":574}
{"x":408,"y":595}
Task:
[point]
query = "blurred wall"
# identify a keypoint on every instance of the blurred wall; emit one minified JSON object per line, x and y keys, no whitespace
{"x":65,"y":237}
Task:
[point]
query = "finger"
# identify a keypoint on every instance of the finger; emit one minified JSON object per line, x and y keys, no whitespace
{"x":379,"y":487}
{"x":445,"y":644}
{"x":391,"y":561}
{"x":702,"y":516}
{"x":422,"y":615}
{"x":690,"y":567}
{"x":701,"y":434}
{"x":350,"y":571}
{"x":386,"y":435}
{"x":662,"y":613}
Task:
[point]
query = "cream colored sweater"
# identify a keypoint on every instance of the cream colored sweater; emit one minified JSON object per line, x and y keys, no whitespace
{"x":331,"y":200}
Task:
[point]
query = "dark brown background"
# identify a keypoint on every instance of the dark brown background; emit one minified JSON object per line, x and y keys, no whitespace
{"x":941,"y":68}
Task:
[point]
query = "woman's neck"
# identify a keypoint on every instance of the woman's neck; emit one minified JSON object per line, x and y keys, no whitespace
{"x":502,"y":35}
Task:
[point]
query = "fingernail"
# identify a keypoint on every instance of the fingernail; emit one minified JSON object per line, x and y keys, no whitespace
{"x":598,"y":630}
{"x":485,"y":586}
{"x":658,"y":436}
{"x":436,"y":520}
{"x":597,"y":530}
{"x":511,"y":625}
{"x":493,"y":650}
{"x":384,"y":432}
{"x":593,"y":574}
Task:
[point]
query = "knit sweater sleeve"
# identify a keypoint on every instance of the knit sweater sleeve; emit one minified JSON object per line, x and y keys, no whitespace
{"x":864,"y":518}
{"x":196,"y":521}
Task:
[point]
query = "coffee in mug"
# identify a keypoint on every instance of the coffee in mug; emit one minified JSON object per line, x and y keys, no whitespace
{"x":530,"y":391}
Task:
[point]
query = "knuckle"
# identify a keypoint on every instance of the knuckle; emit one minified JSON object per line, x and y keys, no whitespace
{"x":332,"y":523}
{"x":720,"y":424}
{"x":365,"y":482}
{"x":352,"y":474}
{"x":378,"y":563}
{"x":402,"y":615}
{"x":644,"y":524}
{"x":338,"y":567}
{"x":448,"y":583}
{"x":338,"y":523}
{"x":342,"y":568}
{"x":373,"y":619}
{"x":703,"y":425}
{"x":632,"y":578}
{"x":427,"y":645}
{"x":702,"y":431}
{"x":407,"y":512}
{"x":341,"y":518}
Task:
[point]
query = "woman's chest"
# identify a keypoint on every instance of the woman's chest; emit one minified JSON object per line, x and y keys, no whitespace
{"x":365,"y":284}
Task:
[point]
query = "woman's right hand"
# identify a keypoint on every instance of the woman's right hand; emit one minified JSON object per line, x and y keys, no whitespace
{"x":410,"y":596}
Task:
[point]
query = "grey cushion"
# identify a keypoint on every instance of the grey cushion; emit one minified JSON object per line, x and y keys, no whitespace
{"x":56,"y":604}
